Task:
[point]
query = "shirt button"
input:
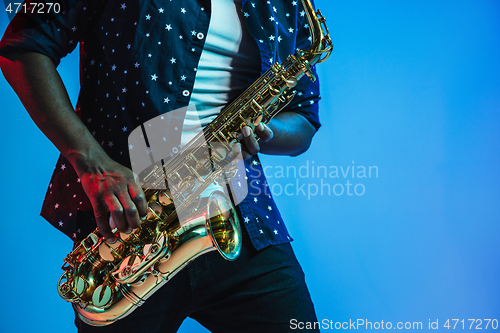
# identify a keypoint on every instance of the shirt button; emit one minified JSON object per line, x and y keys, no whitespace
{"x":185,"y":93}
{"x":200,"y":35}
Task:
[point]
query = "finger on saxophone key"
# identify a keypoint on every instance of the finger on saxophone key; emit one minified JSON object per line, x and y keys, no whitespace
{"x":246,"y":131}
{"x":264,"y":132}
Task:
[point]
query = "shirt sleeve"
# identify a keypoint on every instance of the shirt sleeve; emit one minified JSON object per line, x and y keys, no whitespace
{"x":54,"y":32}
{"x":306,"y":101}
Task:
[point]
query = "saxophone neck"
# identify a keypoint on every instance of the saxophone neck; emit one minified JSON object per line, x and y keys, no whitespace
{"x":321,"y":44}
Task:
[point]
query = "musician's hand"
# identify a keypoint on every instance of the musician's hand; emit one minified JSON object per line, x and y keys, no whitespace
{"x":112,"y":188}
{"x":249,"y":144}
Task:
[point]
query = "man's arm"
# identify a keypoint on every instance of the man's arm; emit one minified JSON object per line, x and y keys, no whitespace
{"x":109,"y":185}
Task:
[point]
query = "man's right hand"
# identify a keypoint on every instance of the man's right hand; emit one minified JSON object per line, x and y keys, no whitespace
{"x":113,"y":192}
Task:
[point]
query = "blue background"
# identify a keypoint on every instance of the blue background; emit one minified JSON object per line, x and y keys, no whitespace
{"x":413,"y":88}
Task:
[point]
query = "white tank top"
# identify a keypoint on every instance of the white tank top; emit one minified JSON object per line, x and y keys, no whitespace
{"x":229,"y":63}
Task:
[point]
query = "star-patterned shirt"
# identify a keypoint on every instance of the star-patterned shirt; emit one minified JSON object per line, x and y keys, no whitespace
{"x":128,"y":77}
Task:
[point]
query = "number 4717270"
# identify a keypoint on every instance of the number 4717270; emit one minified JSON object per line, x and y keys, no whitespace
{"x":456,"y":323}
{"x":34,"y":7}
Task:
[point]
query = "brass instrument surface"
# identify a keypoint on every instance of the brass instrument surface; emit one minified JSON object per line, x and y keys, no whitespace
{"x":105,"y":282}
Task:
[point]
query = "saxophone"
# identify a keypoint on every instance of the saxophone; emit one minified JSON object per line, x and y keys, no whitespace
{"x":106,"y":282}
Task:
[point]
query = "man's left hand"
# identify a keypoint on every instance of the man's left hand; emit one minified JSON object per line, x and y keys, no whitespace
{"x":249,"y":144}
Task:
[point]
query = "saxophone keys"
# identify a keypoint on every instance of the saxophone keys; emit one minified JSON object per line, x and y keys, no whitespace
{"x":155,"y":209}
{"x":128,"y":263}
{"x":153,"y":197}
{"x":102,"y":296}
{"x":110,"y":252}
{"x":90,"y":241}
{"x":127,"y":270}
{"x":151,"y":250}
{"x":291,"y":82}
{"x":274,"y":92}
{"x":128,"y":267}
{"x":80,"y":285}
{"x":310,"y":74}
{"x":219,"y":152}
{"x":130,"y":236}
{"x":258,"y":120}
{"x":164,"y":199}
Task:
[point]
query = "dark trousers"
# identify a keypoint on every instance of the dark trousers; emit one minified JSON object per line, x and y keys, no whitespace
{"x":261,"y":291}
